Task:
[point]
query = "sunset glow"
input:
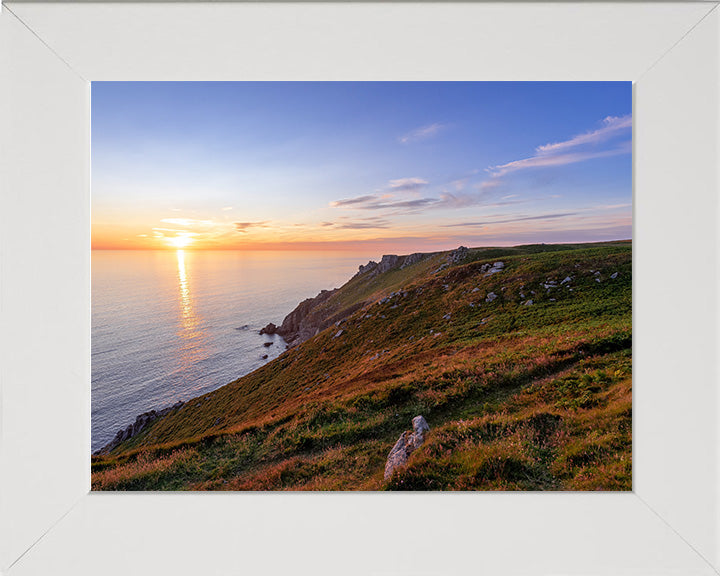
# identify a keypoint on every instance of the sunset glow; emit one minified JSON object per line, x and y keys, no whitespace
{"x":344,"y":166}
{"x":179,"y":241}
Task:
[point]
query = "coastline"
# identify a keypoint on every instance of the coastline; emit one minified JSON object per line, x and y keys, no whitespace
{"x":511,"y":353}
{"x":150,"y":416}
{"x":299,"y":325}
{"x":168,"y":328}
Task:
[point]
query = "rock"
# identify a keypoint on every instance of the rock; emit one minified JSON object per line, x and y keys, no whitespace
{"x":566,"y":280}
{"x":529,"y":303}
{"x":496,"y":267}
{"x":458,"y":255}
{"x":309,"y":318}
{"x":614,"y":275}
{"x":141,"y":422}
{"x":243,"y":327}
{"x":446,"y":317}
{"x":269,"y":329}
{"x":264,"y":356}
{"x":490,"y":297}
{"x":267,"y":344}
{"x":338,"y":334}
{"x":388,"y":262}
{"x":406,"y":445}
{"x":369,"y":266}
{"x":475,"y":290}
{"x":413,"y":259}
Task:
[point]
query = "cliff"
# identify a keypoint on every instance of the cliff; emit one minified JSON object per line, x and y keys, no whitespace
{"x":314,"y":315}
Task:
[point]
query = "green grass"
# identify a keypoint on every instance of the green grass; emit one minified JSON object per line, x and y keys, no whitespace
{"x":517,"y":397}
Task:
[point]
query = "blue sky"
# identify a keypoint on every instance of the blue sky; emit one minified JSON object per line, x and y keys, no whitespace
{"x":399,"y":165}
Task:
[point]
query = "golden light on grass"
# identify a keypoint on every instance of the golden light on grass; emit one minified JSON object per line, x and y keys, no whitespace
{"x":518,"y":397}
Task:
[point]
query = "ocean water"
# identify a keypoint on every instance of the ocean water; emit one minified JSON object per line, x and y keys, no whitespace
{"x":171,"y":325}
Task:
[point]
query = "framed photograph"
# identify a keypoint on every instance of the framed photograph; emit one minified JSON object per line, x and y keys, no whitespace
{"x":84,"y":80}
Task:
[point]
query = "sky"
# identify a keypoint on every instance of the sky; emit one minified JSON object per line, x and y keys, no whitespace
{"x":382,"y":166}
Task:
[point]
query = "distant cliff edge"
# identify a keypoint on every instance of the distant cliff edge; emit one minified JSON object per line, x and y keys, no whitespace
{"x":314,"y":315}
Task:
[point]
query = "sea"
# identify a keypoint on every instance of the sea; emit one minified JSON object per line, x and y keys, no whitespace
{"x":171,"y":325}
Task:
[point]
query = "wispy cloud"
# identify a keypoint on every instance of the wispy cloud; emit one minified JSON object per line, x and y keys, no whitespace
{"x":363,"y":225}
{"x":168,"y":230}
{"x":394,"y":195}
{"x":357,"y":200}
{"x":612,"y":125}
{"x":510,"y":220}
{"x":395,"y":199}
{"x":188,"y":222}
{"x":547,"y":160}
{"x":579,"y":148}
{"x":405,"y":204}
{"x":492,"y":191}
{"x":407,"y":184}
{"x":422,"y":133}
{"x":613,"y":206}
{"x":243,"y":226}
{"x":367,"y":223}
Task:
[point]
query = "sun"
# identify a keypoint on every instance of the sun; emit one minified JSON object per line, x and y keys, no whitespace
{"x":180,"y":241}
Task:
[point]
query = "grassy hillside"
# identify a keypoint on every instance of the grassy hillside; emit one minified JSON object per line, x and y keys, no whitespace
{"x":518,"y":396}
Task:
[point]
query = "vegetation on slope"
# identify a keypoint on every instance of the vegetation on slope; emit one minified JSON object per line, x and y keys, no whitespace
{"x":518,"y":396}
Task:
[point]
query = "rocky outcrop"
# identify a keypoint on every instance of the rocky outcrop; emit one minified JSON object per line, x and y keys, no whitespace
{"x":269,"y":329}
{"x":391,"y":261}
{"x":388,"y":262}
{"x":494,"y":269}
{"x":308,"y":319}
{"x":458,"y":255}
{"x":314,"y":315}
{"x":367,"y":267}
{"x":141,"y":422}
{"x":414,"y":258}
{"x":406,"y":445}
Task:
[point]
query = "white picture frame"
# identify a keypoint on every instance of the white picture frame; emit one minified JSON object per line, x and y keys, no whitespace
{"x":50,"y":523}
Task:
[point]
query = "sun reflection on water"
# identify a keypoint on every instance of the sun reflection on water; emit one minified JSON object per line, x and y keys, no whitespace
{"x":190,"y":330}
{"x":188,"y":315}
